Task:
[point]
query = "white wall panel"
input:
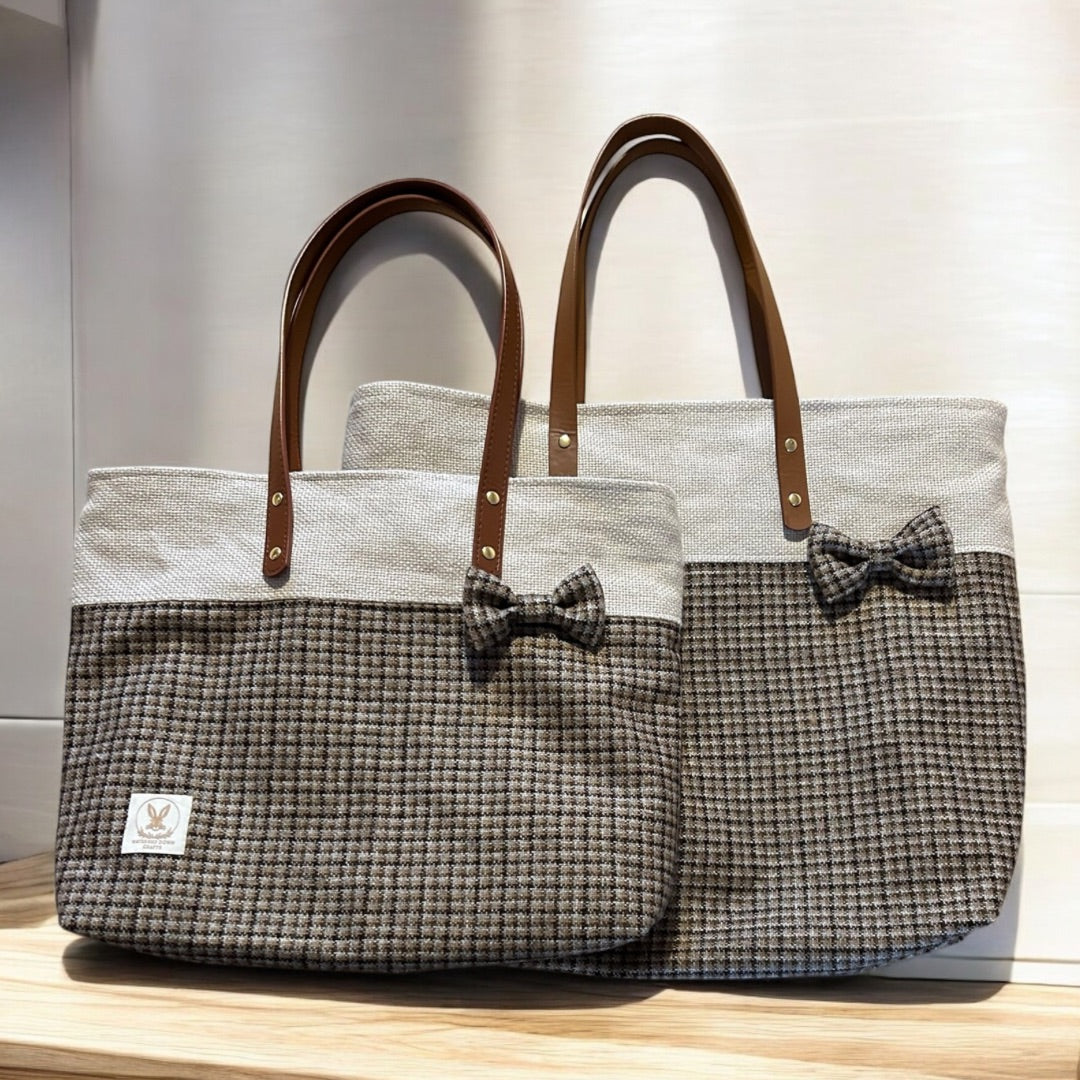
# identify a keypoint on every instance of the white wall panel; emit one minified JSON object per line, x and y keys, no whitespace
{"x":209,"y":141}
{"x":51,"y":11}
{"x":1051,"y":641}
{"x":909,"y":171}
{"x":29,"y":786}
{"x":35,"y":367}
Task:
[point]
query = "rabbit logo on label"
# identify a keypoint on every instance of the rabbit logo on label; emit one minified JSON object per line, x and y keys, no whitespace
{"x":150,"y":820}
{"x":157,"y":824}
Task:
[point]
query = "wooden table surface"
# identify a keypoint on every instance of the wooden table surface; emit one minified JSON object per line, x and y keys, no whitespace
{"x":71,"y":1007}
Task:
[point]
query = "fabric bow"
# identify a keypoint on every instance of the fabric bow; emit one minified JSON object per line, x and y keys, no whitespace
{"x":492,"y":610}
{"x":919,"y":555}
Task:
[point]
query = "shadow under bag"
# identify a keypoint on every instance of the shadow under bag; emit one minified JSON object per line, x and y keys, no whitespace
{"x":852,"y":683}
{"x":378,"y":720}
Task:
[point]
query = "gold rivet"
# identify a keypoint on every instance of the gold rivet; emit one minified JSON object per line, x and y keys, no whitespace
{"x":795,"y":499}
{"x":492,"y":497}
{"x":488,"y":552}
{"x":790,"y":445}
{"x":277,"y":498}
{"x":275,"y":554}
{"x":564,"y":441}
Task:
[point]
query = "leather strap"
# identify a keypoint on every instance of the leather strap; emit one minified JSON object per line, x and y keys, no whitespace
{"x":669,"y":135}
{"x":307,"y":279}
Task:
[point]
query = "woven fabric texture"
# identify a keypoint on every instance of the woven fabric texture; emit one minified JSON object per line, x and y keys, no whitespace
{"x":492,"y":611}
{"x":366,"y":795}
{"x":150,"y":534}
{"x":852,"y":779}
{"x":853,"y":771}
{"x":872,"y":463}
{"x":919,"y":555}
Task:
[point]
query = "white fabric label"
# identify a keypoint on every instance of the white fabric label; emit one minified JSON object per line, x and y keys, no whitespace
{"x":157,"y":824}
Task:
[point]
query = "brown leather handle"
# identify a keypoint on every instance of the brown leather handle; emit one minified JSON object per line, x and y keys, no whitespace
{"x":669,"y":135}
{"x":307,"y":279}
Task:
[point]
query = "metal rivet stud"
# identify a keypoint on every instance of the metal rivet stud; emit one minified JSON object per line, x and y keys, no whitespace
{"x":795,"y":499}
{"x":277,"y":498}
{"x":488,"y":552}
{"x":790,"y":445}
{"x":492,"y":497}
{"x":275,"y":554}
{"x":564,"y":441}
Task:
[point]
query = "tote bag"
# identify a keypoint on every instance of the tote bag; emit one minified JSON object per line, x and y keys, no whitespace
{"x":378,"y":720}
{"x":853,"y":688}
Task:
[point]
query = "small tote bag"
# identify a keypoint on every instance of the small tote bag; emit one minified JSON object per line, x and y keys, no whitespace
{"x":852,"y":688}
{"x":378,"y":720}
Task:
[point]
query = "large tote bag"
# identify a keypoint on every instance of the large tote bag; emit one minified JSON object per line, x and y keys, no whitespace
{"x":377,"y":720}
{"x":853,"y":691}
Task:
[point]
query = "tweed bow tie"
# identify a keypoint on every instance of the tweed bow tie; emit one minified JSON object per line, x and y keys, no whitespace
{"x":919,"y":555}
{"x":493,"y":610}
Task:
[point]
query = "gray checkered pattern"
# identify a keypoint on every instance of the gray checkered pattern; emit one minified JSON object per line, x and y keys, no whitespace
{"x":492,"y":611}
{"x":920,"y":555}
{"x":852,"y":778}
{"x":853,"y":773}
{"x":366,"y":795}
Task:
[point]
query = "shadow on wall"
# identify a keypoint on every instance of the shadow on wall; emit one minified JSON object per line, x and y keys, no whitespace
{"x":671,"y":168}
{"x":206,"y":146}
{"x":404,"y":238}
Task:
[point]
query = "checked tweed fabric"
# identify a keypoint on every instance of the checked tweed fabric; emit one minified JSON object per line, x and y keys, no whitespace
{"x":492,"y":610}
{"x":852,"y":780}
{"x":365,"y":794}
{"x":919,"y":555}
